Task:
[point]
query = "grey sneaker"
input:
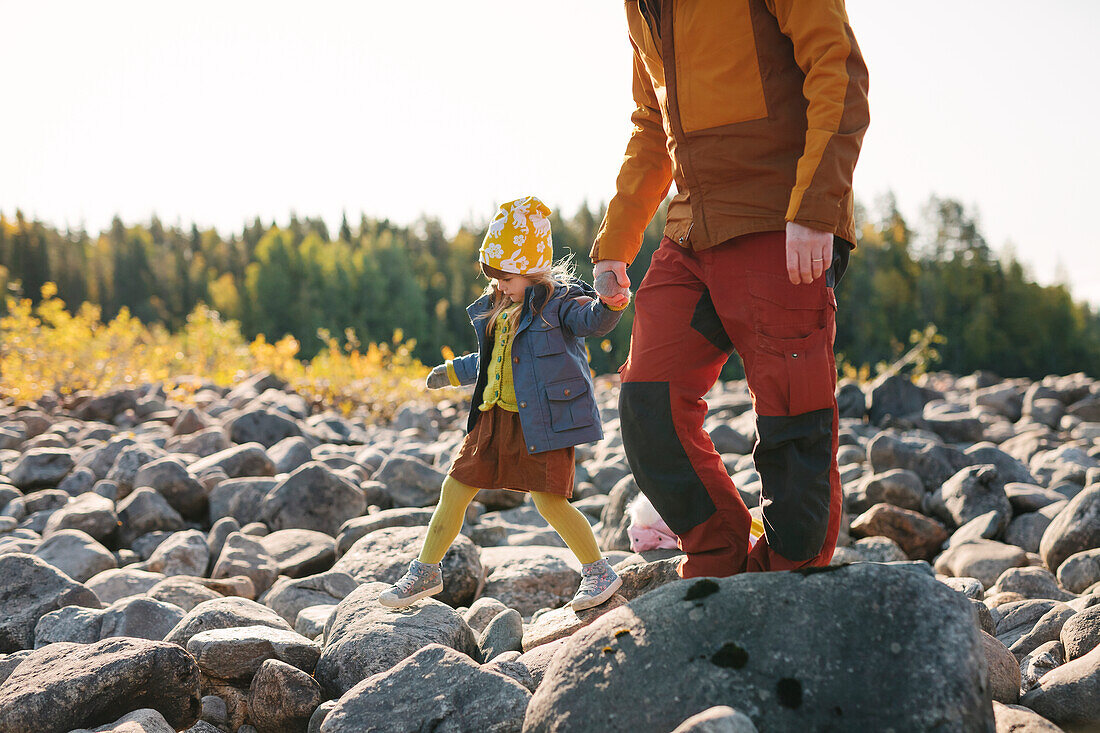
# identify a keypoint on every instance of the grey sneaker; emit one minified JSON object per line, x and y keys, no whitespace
{"x":420,"y":581}
{"x":598,"y":583}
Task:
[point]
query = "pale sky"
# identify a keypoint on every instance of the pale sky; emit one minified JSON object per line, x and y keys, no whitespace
{"x":216,"y":112}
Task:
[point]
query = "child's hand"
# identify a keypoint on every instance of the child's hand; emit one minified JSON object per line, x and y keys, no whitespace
{"x":612,"y":295}
{"x":609,"y":283}
{"x":438,"y":378}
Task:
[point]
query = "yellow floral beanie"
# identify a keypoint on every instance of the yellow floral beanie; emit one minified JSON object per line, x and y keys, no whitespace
{"x":518,"y":240}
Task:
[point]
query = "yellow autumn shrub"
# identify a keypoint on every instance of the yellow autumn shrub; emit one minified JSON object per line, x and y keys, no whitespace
{"x":46,"y":348}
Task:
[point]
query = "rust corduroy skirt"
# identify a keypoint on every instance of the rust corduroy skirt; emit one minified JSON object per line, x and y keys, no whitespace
{"x":494,"y":456}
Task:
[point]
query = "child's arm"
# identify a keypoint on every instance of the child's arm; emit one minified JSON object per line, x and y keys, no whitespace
{"x":587,"y":317}
{"x":463,"y":369}
{"x":454,"y":372}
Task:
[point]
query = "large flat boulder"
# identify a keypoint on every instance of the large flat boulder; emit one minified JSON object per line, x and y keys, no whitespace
{"x":864,"y":646}
{"x":65,"y":686}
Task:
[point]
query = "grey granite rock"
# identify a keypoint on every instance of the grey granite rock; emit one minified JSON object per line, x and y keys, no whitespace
{"x":171,"y":479}
{"x":1069,"y":695}
{"x":236,"y":653}
{"x":312,"y":497}
{"x":364,"y":638}
{"x":76,"y":554}
{"x":245,"y":555}
{"x":65,"y":686}
{"x":401,"y":694}
{"x":29,"y":589}
{"x":724,"y":631}
{"x":224,"y":613}
{"x":282,"y":697}
{"x":288,"y":596}
{"x":384,"y":555}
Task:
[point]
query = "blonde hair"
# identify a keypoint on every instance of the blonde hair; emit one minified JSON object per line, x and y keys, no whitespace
{"x":560,"y":273}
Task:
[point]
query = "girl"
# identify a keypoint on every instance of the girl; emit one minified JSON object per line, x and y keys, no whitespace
{"x":532,"y":403}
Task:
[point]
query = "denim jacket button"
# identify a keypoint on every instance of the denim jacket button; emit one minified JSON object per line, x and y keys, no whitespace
{"x":531,"y":448}
{"x":567,"y":393}
{"x":523,"y":404}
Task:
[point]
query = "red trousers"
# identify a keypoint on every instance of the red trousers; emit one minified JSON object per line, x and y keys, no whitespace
{"x":691,"y":311}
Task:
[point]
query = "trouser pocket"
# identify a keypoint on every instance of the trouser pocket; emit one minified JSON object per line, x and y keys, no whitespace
{"x":798,"y":372}
{"x":792,"y":369}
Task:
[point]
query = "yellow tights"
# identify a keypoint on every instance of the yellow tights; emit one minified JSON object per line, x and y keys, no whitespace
{"x":455,"y":497}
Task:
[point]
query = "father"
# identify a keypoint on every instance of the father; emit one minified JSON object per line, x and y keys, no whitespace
{"x":757,"y":109}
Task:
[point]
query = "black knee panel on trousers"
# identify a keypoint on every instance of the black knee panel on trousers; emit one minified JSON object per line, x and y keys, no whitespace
{"x":793,"y":456}
{"x":660,"y":465}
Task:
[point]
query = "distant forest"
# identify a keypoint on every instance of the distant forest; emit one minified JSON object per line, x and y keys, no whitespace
{"x":375,"y":277}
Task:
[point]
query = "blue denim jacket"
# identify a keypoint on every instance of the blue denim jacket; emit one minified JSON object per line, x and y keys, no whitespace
{"x":553,"y":383}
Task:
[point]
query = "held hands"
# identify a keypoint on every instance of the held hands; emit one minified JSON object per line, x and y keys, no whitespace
{"x":438,"y":378}
{"x":611,"y":282}
{"x":809,"y":253}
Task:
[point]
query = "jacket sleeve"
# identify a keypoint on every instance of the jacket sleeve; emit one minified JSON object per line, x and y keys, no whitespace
{"x":465,"y":368}
{"x":588,"y":317}
{"x":644,"y":178}
{"x":836,"y":115}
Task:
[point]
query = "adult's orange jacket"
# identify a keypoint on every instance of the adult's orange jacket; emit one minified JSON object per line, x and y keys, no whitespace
{"x":756,"y":108}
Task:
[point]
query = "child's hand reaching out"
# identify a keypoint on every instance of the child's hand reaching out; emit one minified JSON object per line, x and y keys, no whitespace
{"x":438,"y":378}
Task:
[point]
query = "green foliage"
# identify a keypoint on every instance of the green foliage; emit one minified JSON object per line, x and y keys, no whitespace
{"x":987,"y":312}
{"x":377,"y":278}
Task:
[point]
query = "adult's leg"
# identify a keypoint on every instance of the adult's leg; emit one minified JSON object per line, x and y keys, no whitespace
{"x":784,"y":333}
{"x":446,"y":519}
{"x":677,"y":350}
{"x":568,"y":521}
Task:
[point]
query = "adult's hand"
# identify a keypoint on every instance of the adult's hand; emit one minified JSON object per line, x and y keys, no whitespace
{"x":809,"y":253}
{"x":613,"y":296}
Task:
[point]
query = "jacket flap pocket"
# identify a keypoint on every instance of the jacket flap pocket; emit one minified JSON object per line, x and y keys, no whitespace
{"x":544,"y":343}
{"x":567,"y":389}
{"x":549,"y":318}
{"x":779,"y":290}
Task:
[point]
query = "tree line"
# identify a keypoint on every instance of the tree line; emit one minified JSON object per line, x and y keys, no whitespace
{"x":369,"y":280}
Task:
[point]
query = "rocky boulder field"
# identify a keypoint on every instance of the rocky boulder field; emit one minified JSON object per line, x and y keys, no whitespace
{"x":215,"y":566}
